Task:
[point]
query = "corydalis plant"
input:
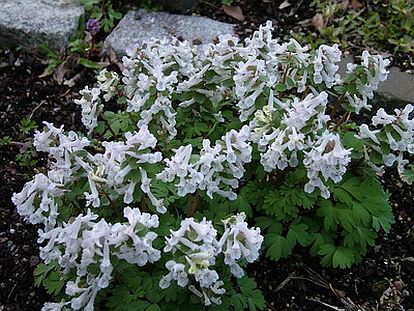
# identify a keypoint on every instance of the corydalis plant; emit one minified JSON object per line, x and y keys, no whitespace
{"x":210,"y":140}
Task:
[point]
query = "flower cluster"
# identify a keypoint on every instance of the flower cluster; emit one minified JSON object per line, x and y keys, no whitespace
{"x":44,"y":189}
{"x":91,"y":107}
{"x":196,"y":245}
{"x":110,"y":168}
{"x":327,"y":158}
{"x":202,"y":122}
{"x":373,"y":70}
{"x":93,"y":26}
{"x":239,"y":242}
{"x":209,"y":172}
{"x":393,"y":138}
{"x":84,"y":242}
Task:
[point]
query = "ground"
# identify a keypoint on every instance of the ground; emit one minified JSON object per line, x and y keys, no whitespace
{"x":298,"y":283}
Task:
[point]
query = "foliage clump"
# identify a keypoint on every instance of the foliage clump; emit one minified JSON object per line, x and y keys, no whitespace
{"x":203,"y":152}
{"x":382,"y":25}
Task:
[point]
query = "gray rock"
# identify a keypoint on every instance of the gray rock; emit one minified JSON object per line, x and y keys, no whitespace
{"x":33,"y":22}
{"x":139,"y":26}
{"x":399,"y":86}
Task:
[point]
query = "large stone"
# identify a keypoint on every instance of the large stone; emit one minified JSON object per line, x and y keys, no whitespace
{"x":139,"y":26}
{"x":398,"y":87}
{"x":30,"y":23}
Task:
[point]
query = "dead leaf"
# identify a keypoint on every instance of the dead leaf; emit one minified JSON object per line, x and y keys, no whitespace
{"x":72,"y":82}
{"x":284,"y":4}
{"x":318,"y":21}
{"x":60,"y":72}
{"x":113,"y":59}
{"x":345,"y":5}
{"x":357,"y":5}
{"x":234,"y":11}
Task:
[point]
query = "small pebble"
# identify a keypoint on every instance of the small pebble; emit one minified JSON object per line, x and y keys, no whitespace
{"x":26,"y":248}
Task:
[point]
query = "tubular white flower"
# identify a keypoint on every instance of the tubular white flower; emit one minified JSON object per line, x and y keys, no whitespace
{"x":375,"y":71}
{"x":399,"y":136}
{"x":108,"y":82}
{"x":325,"y":65}
{"x":84,"y":241}
{"x":227,"y":157}
{"x":44,"y":189}
{"x":195,"y":244}
{"x":240,"y":242}
{"x":327,"y":158}
{"x":91,"y":107}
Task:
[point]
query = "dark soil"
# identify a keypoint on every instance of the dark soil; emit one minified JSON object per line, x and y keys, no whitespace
{"x":24,"y":94}
{"x":293,"y":284}
{"x":390,"y":260}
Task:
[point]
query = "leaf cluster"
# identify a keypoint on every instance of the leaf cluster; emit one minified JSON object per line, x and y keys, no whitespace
{"x":339,"y":229}
{"x":385,"y":24}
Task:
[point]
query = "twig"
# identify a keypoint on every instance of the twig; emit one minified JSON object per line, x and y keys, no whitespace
{"x":344,"y":119}
{"x":11,"y":292}
{"x":325,"y":304}
{"x":310,"y":280}
{"x":296,"y":8}
{"x":285,"y":73}
{"x":281,"y":285}
{"x":317,"y":277}
{"x":347,"y":302}
{"x":37,"y":107}
{"x":337,"y":105}
{"x":210,"y":4}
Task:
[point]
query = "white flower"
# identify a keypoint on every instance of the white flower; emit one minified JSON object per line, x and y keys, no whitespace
{"x":301,"y":112}
{"x":108,"y":82}
{"x":395,"y":131}
{"x":382,"y":118}
{"x":145,"y":187}
{"x":374,"y":67}
{"x":177,"y":273}
{"x":325,"y":65}
{"x":327,"y":157}
{"x":365,"y":132}
{"x":240,"y":242}
{"x":51,"y":306}
{"x":82,"y":242}
{"x":45,"y":190}
{"x":91,"y":107}
{"x":227,"y":157}
{"x":206,"y":277}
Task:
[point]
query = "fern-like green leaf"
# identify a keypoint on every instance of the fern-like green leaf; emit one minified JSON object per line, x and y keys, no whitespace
{"x":341,"y":257}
